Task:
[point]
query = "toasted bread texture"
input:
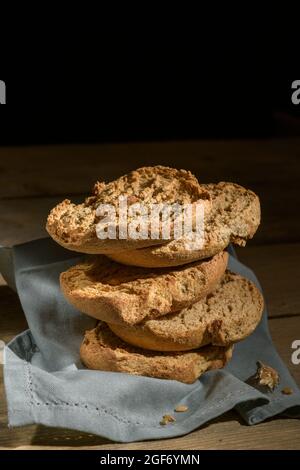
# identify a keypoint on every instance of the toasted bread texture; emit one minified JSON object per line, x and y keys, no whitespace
{"x":103,"y":350}
{"x":225,"y":316}
{"x":122,"y":294}
{"x":74,"y":225}
{"x":234,"y":218}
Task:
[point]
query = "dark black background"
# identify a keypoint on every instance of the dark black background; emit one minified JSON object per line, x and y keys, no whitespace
{"x":143,"y":98}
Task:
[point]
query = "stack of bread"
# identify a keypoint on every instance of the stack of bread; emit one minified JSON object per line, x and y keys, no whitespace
{"x":165,"y":310}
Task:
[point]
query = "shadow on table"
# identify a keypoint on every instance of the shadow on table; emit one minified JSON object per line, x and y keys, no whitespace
{"x":45,"y":436}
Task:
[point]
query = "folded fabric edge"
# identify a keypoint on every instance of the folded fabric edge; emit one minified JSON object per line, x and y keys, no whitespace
{"x":279,"y":406}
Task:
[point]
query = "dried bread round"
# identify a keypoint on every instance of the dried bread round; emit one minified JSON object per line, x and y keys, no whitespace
{"x":74,"y":225}
{"x":234,"y":218}
{"x":225,"y":316}
{"x":115,"y":293}
{"x":103,"y":350}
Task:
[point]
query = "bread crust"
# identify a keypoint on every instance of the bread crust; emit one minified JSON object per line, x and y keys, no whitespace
{"x":74,"y":225}
{"x":225,"y":316}
{"x":234,"y":218}
{"x":122,"y":294}
{"x":102,"y":350}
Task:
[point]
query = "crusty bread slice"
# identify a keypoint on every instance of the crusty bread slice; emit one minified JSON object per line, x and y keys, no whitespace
{"x":102,"y":350}
{"x":116,"y":293}
{"x":74,"y":226}
{"x":226,"y":316}
{"x":234,"y":218}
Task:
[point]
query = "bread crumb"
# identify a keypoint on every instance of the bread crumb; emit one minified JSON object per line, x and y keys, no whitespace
{"x":181,"y":408}
{"x":166,"y":419}
{"x":267,"y":376}
{"x":287,"y":391}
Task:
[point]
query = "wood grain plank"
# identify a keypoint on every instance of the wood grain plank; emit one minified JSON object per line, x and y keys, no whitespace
{"x":59,"y":170}
{"x":22,"y":220}
{"x":277,"y":268}
{"x":12,"y":319}
{"x":284,"y":331}
{"x":269,"y":167}
{"x":227,"y":432}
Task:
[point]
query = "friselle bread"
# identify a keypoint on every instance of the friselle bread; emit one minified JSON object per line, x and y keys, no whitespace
{"x":225,"y":316}
{"x":103,"y":350}
{"x":234,"y":218}
{"x":74,"y":225}
{"x":115,"y":293}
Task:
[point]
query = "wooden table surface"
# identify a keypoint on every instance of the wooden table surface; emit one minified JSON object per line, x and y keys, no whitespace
{"x":33,"y":179}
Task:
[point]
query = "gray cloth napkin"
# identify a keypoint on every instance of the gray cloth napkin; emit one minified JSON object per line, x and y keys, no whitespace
{"x":46,"y":383}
